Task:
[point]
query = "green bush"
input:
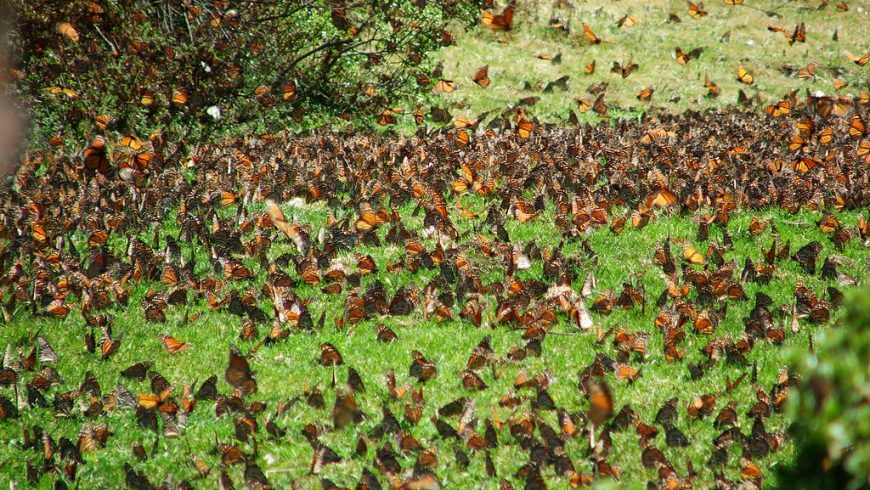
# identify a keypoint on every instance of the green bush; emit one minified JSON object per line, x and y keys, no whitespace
{"x":167,"y":66}
{"x":831,"y":405}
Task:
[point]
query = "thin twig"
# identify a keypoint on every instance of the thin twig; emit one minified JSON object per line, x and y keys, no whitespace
{"x":115,"y":52}
{"x":189,"y":30}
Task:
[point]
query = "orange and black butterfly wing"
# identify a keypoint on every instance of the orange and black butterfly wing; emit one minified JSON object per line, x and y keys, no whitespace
{"x":481,"y":77}
{"x":238,"y":373}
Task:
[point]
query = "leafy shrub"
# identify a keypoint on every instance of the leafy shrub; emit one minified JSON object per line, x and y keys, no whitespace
{"x":831,"y":406}
{"x":141,"y":66}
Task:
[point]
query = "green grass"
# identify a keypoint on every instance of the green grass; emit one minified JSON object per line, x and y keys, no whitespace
{"x":286,"y":369}
{"x":513,"y":62}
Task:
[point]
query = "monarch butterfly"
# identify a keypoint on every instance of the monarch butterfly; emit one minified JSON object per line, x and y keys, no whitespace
{"x":704,"y":324}
{"x":440,"y":115}
{"x":692,"y":255}
{"x":67,"y":30}
{"x":701,"y":406}
{"x":525,"y":128}
{"x":645,"y":94}
{"x":46,"y":351}
{"x":864,"y":151}
{"x":292,"y":231}
{"x":756,"y":226}
{"x":366,"y":265}
{"x":600,"y":107}
{"x":639,"y":219}
{"x":626,"y":372}
{"x":369,"y":221}
{"x":108,"y":346}
{"x":419,"y":115}
{"x":289,"y":91}
{"x":661,"y":198}
{"x":696,"y":11}
{"x":529,"y":101}
{"x":446,"y":38}
{"x":481,"y":77}
{"x":805,"y":126}
{"x":228,"y":198}
{"x":423,"y":80}
{"x":837,"y":106}
{"x":781,"y":108}
{"x":463,"y":137}
{"x":826,"y":136}
{"x":179,"y":97}
{"x":733,"y":2}
{"x":712,"y":88}
{"x":102,"y":120}
{"x":656,"y":134}
{"x":444,"y":86}
{"x":807,"y":72}
{"x":773,"y":28}
{"x":593,"y":38}
{"x":238,"y":373}
{"x":147,"y":98}
{"x":57,"y":308}
{"x":131,"y":142}
{"x":683,"y":58}
{"x":173,"y":345}
{"x":524,"y":212}
{"x":69,"y":93}
{"x":233,"y":269}
{"x":799,"y":35}
{"x":840,"y":84}
{"x":569,"y":428}
{"x":385,"y":333}
{"x":858,"y":60}
{"x":624,"y":70}
{"x":462,"y":122}
{"x":744,"y":76}
{"x":828,"y":224}
{"x":589,"y":68}
{"x":471,"y":380}
{"x":137,"y":371}
{"x":498,"y":22}
{"x":421,"y":368}
{"x":857,"y":128}
{"x":601,"y":402}
{"x":386,"y":117}
{"x":98,"y":238}
{"x":804,"y":164}
{"x":628,"y":21}
{"x":160,"y":401}
{"x":807,"y":256}
{"x":617,"y":225}
{"x":95,"y":157}
{"x":329,"y":355}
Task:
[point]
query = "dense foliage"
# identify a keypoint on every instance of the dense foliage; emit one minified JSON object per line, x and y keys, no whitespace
{"x":832,"y":405}
{"x":181,"y":67}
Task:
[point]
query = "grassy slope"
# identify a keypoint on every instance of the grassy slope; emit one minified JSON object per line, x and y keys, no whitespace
{"x":512,"y":58}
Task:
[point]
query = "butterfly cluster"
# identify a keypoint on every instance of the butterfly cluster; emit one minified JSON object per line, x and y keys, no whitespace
{"x":129,"y":225}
